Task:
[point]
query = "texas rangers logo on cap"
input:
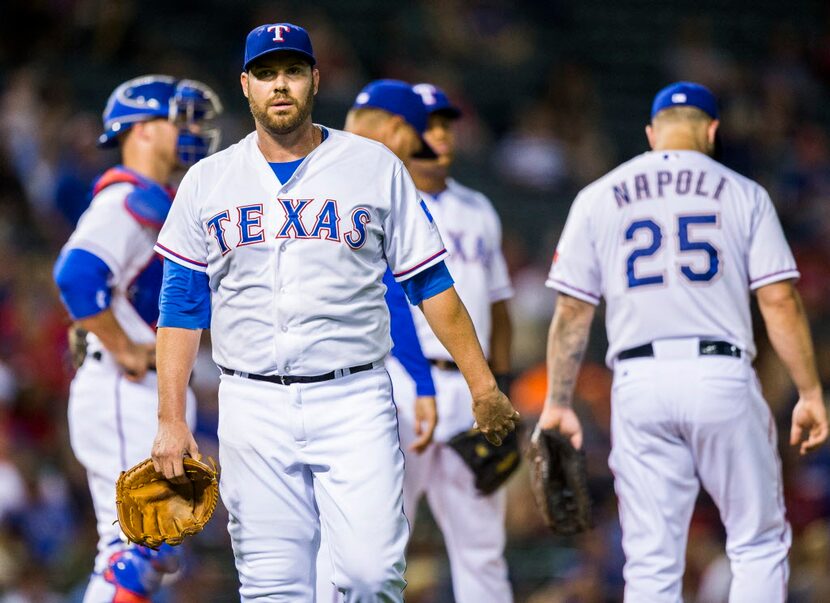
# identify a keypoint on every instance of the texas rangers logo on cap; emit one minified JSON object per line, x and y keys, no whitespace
{"x":277,"y":37}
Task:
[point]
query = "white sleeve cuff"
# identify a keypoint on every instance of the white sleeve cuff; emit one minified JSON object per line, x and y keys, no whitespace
{"x":576,"y":292}
{"x":420,"y":266}
{"x":180,"y":259}
{"x":774,"y":277}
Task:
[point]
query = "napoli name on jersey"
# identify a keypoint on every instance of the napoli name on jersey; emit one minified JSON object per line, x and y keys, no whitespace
{"x":675,"y":242}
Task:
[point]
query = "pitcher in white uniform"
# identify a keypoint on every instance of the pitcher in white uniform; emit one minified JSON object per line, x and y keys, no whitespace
{"x":472,"y":522}
{"x":675,"y":242}
{"x":109,"y":278}
{"x":279,"y":244}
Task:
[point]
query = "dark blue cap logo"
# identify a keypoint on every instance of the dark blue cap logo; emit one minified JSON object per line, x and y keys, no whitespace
{"x":685,"y":94}
{"x":436,"y":100}
{"x":277,"y":37}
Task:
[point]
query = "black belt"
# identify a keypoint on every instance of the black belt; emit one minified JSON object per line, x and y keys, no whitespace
{"x":444,"y":365}
{"x":706,"y":348}
{"x":289,"y":379}
{"x":99,"y":356}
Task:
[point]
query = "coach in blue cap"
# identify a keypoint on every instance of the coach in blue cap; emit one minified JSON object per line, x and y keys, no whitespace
{"x":391,"y":112}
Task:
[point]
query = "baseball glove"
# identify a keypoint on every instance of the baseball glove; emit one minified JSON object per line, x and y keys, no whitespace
{"x":559,"y":482}
{"x":491,"y":464}
{"x":152,"y":510}
{"x":77,"y":345}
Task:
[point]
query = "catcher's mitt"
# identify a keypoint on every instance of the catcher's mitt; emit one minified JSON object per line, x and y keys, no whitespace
{"x":559,"y":482}
{"x":491,"y":464}
{"x":152,"y":510}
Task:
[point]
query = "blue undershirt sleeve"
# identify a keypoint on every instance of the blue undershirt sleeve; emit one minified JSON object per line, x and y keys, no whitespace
{"x":82,"y":278}
{"x":428,"y":283}
{"x":405,"y":345}
{"x":184,"y":301}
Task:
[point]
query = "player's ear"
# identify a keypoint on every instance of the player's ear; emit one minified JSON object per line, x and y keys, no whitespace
{"x":243,"y":81}
{"x":650,"y":135}
{"x":315,"y":77}
{"x":712,"y":130}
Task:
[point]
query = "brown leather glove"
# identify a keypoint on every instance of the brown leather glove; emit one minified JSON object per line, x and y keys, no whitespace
{"x":152,"y":510}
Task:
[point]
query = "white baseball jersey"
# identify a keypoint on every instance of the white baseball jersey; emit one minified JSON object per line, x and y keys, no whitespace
{"x":109,"y":231}
{"x":471,"y":230}
{"x":674,"y":241}
{"x":295,"y":269}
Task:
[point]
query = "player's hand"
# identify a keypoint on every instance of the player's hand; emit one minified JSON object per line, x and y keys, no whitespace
{"x":173,"y":441}
{"x":426,"y":416}
{"x":564,"y":420}
{"x":809,"y":429}
{"x":136,"y":360}
{"x":495,"y":415}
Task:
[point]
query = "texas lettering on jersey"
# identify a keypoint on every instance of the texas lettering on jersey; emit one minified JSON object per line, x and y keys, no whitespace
{"x":297,"y":224}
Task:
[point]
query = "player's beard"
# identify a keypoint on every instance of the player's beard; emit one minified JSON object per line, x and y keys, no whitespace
{"x":282,"y":124}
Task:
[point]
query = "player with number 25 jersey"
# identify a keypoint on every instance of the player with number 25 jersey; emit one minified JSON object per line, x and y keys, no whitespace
{"x":678,"y":236}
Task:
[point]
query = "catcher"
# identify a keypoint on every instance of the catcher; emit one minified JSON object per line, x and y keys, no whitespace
{"x":109,"y":280}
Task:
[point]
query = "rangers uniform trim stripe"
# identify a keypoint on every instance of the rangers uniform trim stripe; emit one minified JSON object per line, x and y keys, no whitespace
{"x":398,"y":275}
{"x":774,"y":277}
{"x":177,"y":256}
{"x":572,"y":291}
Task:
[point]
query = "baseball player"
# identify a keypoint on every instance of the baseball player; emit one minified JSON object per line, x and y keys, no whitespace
{"x":109,"y":279}
{"x":472,"y":523}
{"x":279,"y":244}
{"x":676,"y":242}
{"x":391,"y":112}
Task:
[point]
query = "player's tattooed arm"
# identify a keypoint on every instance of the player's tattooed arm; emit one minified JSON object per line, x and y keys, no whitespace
{"x":567,"y":340}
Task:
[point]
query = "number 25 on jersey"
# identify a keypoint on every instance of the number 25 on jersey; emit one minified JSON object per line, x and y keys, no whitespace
{"x":689,"y":243}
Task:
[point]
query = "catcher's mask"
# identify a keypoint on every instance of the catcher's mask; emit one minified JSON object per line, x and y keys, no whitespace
{"x":189,"y":104}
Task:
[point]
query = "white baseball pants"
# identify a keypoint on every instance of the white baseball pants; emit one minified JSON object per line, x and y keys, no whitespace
{"x":296,"y":456}
{"x":472,"y":524}
{"x":112,"y":424}
{"x":680,"y":420}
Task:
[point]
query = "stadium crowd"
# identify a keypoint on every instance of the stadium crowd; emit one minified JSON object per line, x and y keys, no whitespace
{"x":546,"y":110}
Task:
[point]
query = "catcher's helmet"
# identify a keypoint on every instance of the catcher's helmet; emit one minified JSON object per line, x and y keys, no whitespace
{"x":189,"y":104}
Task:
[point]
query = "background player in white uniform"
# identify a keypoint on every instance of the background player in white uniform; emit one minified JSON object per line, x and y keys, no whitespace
{"x":390,"y":112}
{"x":472,"y":523}
{"x":109,"y":278}
{"x":676,"y":242}
{"x":284,"y":263}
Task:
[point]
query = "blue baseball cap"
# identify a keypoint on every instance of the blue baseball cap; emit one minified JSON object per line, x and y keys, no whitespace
{"x":436,"y":100}
{"x":399,"y":98}
{"x":275,"y":37}
{"x":685,"y":94}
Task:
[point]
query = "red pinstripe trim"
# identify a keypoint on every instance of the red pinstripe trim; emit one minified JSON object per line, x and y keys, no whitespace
{"x":426,"y":261}
{"x":565,"y":285}
{"x":766,"y":276}
{"x":181,"y":257}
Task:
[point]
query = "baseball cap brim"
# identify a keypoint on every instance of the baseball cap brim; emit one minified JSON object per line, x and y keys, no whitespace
{"x":449,"y":111}
{"x":425,"y":152}
{"x":298,"y":51}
